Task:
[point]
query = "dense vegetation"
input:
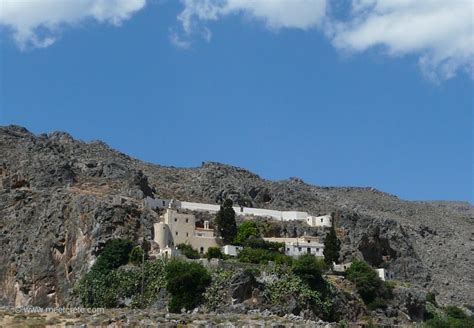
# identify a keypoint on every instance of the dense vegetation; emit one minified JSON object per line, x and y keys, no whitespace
{"x":451,"y":317}
{"x":370,"y":287}
{"x":186,"y":282}
{"x":188,"y":251}
{"x":247,"y":229}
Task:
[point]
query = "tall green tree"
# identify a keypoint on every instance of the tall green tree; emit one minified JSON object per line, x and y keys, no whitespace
{"x":332,"y":247}
{"x":225,"y":221}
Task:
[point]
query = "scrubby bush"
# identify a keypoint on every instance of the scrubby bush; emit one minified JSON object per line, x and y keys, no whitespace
{"x":108,"y":290}
{"x":431,"y":297}
{"x":186,"y":283}
{"x":310,"y":269}
{"x":246,"y":230}
{"x":114,"y":254}
{"x":257,"y":242}
{"x":188,"y":251}
{"x":262,"y":256}
{"x":214,"y":253}
{"x":365,"y":279}
{"x":292,"y":286}
{"x":454,"y":317}
{"x":137,"y":255}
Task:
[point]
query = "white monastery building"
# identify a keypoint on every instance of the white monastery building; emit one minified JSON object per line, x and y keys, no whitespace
{"x":300,"y":245}
{"x":314,"y":221}
{"x":180,"y":228}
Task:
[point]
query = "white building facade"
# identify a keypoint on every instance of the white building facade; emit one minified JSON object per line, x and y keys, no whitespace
{"x":231,"y":250}
{"x":300,"y":245}
{"x":384,"y":274}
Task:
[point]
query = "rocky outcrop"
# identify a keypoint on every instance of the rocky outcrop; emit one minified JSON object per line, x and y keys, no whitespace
{"x":61,"y":199}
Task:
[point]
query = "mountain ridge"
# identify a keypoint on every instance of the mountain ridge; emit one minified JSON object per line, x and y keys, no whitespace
{"x":78,"y":195}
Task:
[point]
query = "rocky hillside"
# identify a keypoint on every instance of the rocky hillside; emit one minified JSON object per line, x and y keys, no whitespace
{"x":61,"y":199}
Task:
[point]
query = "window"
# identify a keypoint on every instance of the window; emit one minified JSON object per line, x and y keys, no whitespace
{"x":308,"y":250}
{"x":201,"y":250}
{"x":299,"y":248}
{"x":164,"y":203}
{"x":187,"y":234}
{"x":187,"y":220}
{"x":321,"y":220}
{"x":176,"y":233}
{"x":309,"y":241}
{"x":175,"y":220}
{"x":287,"y":249}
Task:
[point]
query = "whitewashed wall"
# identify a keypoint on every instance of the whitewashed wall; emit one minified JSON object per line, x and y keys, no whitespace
{"x":278,"y":215}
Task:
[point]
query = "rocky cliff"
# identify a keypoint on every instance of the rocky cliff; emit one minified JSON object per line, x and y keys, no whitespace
{"x":61,"y":199}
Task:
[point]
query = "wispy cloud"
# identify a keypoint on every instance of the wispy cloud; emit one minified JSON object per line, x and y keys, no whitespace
{"x":441,"y":33}
{"x":38,"y":23}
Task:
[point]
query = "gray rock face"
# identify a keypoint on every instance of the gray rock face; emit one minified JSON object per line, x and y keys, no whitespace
{"x":62,"y":199}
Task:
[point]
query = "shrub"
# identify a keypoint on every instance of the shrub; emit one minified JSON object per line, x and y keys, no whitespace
{"x":431,"y":297}
{"x":97,"y":289}
{"x":262,"y":256}
{"x":257,"y":242}
{"x":114,"y":254}
{"x":366,"y":280}
{"x":291,"y":286}
{"x":309,"y":269}
{"x":246,"y":230}
{"x":188,"y":251}
{"x":214,"y":253}
{"x":137,"y":255}
{"x":186,"y":282}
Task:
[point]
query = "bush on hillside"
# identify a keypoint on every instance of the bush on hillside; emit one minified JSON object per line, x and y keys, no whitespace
{"x":257,"y":242}
{"x":214,"y":253}
{"x":188,"y":251}
{"x":137,"y":256}
{"x":366,"y":280}
{"x":309,"y":269}
{"x":246,"y":230}
{"x":262,"y":256}
{"x":186,"y":283}
{"x":114,"y":254}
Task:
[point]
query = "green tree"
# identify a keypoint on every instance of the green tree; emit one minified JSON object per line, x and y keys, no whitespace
{"x":332,"y":246}
{"x":366,"y":280}
{"x":186,"y":283}
{"x":225,"y":221}
{"x":246,"y":230}
{"x":214,"y":253}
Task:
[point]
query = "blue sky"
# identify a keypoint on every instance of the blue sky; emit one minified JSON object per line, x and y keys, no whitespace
{"x":280,"y":96}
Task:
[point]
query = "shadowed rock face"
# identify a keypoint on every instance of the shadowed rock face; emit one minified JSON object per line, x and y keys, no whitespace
{"x":62,"y":199}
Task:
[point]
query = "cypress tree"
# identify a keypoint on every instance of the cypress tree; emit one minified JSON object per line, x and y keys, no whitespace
{"x":225,"y":221}
{"x":332,"y":246}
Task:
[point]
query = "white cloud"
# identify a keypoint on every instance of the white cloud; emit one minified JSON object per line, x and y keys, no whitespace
{"x":275,"y":14}
{"x":37,"y":23}
{"x":440,"y":32}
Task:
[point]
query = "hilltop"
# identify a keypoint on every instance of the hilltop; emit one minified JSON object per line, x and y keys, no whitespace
{"x":61,"y":199}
